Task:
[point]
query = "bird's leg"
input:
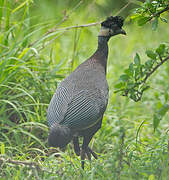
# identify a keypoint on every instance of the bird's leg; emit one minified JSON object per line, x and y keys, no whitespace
{"x":76,"y":145}
{"x":86,"y":150}
{"x":93,"y":153}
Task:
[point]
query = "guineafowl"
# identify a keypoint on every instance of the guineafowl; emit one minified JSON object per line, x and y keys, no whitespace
{"x":77,"y":107}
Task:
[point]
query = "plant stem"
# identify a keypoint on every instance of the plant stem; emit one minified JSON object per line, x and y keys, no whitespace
{"x":155,"y":68}
{"x":158,"y":13}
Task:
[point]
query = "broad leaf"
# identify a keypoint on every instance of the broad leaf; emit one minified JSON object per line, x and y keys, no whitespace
{"x":142,"y":20}
{"x":162,"y":111}
{"x":159,"y":115}
{"x":119,"y":85}
{"x":137,"y":59}
{"x":151,"y":54}
{"x":161,"y":49}
{"x":124,"y":77}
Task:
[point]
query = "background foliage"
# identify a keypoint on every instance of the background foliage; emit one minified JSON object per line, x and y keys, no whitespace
{"x":36,"y":53}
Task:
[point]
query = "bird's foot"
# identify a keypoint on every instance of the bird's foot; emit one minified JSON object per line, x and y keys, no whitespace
{"x":87,"y":151}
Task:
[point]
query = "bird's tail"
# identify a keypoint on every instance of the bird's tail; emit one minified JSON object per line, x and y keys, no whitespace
{"x":59,"y":136}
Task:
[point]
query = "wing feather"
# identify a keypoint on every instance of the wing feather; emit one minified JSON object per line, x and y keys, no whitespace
{"x":84,"y":110}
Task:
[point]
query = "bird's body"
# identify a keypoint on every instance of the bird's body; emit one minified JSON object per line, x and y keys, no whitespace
{"x":77,"y":107}
{"x":81,"y":99}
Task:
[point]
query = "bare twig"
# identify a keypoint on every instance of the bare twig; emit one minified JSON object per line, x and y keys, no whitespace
{"x":77,"y":26}
{"x":33,"y":165}
{"x":87,"y":25}
{"x":17,"y":162}
{"x":155,"y":68}
{"x":123,"y":8}
{"x":158,"y":13}
{"x":65,"y":17}
{"x":162,"y":61}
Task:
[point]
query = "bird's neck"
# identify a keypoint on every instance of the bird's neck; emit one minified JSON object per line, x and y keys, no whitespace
{"x":101,"y":53}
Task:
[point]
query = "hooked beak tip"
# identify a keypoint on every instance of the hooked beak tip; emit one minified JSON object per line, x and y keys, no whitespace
{"x":123,"y":32}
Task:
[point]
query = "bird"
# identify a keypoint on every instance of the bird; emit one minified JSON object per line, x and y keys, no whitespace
{"x":80,"y":100}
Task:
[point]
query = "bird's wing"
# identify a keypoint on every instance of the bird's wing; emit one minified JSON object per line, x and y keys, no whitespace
{"x":78,"y":105}
{"x":85,"y":109}
{"x":58,"y":105}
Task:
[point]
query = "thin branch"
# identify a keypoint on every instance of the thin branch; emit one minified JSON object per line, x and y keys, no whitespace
{"x":32,"y":165}
{"x":90,"y":24}
{"x":123,"y":8}
{"x":158,"y":13}
{"x":17,"y":162}
{"x":154,"y":69}
{"x":77,"y":26}
{"x":65,"y":17}
{"x":145,"y":79}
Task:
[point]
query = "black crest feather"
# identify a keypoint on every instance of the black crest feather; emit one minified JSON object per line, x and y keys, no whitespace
{"x":113,"y":21}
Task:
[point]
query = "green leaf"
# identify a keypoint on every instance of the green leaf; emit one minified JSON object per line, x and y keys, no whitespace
{"x":130,"y":155}
{"x":128,"y":72}
{"x":131,"y":67}
{"x":2,"y":148}
{"x":1,"y":9}
{"x":119,"y":85}
{"x":20,"y":6}
{"x":161,"y":49}
{"x":159,"y":115}
{"x":149,"y":64}
{"x":137,"y":59}
{"x":151,"y":54}
{"x":135,"y":16}
{"x":124,"y":77}
{"x":166,"y":96}
{"x":20,"y":56}
{"x":137,"y":74}
{"x":142,"y":20}
{"x":162,"y":111}
{"x":151,"y":177}
{"x":131,"y":85}
{"x":156,"y":121}
{"x":155,"y":24}
{"x":144,"y":88}
{"x":133,"y":96}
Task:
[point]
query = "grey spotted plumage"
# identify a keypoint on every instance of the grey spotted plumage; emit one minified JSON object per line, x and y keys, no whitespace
{"x":77,"y":107}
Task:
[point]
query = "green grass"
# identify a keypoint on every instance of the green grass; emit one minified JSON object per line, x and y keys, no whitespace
{"x":31,"y":66}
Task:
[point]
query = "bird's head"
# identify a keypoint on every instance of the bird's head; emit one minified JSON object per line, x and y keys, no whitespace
{"x":112,"y":26}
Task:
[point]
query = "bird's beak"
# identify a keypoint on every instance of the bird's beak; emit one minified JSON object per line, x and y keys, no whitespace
{"x":122,"y":31}
{"x":117,"y":31}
